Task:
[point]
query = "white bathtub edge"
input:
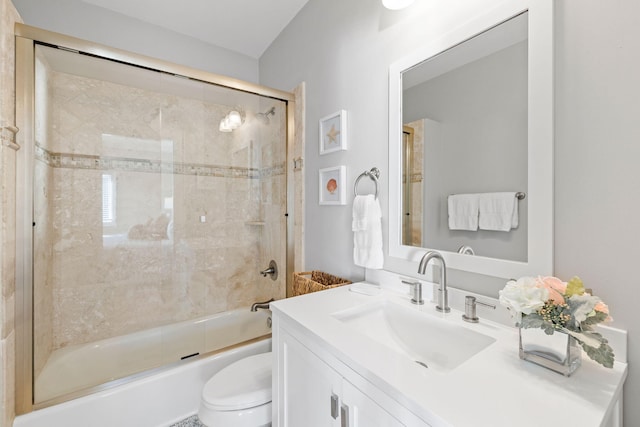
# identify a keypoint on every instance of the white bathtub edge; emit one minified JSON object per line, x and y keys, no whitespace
{"x":155,"y":401}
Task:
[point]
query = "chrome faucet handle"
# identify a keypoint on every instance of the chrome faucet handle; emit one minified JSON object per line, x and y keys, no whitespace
{"x":416,"y":292}
{"x":272,"y":270}
{"x":470,"y":309}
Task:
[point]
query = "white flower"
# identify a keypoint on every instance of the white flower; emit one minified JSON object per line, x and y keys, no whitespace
{"x":523,"y":296}
{"x":582,"y":306}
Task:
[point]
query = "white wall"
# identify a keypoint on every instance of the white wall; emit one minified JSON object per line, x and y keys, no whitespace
{"x":342,"y":50}
{"x":86,"y":21}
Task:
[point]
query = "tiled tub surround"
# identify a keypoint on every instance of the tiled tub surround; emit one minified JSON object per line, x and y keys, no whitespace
{"x":8,"y":156}
{"x":197,"y":213}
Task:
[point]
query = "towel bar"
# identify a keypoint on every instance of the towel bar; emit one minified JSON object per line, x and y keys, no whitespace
{"x":374,"y":174}
{"x":519,"y":195}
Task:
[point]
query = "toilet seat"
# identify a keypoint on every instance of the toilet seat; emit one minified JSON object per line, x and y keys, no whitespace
{"x":243,"y":384}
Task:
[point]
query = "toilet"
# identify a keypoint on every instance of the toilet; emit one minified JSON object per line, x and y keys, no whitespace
{"x":239,"y":395}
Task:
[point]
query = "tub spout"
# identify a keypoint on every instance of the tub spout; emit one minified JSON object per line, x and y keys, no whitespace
{"x":264,"y":305}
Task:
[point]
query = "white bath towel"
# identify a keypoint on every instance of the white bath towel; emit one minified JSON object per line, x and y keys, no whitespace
{"x":463,"y":212}
{"x":367,"y":232}
{"x":498,"y":211}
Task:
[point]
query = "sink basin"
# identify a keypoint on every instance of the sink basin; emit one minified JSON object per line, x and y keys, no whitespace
{"x":430,"y":341}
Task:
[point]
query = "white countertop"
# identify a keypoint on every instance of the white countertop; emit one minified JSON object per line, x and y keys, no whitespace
{"x":493,"y":388}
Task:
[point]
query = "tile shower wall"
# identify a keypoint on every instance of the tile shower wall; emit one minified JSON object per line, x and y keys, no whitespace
{"x":8,"y":148}
{"x":198,"y":212}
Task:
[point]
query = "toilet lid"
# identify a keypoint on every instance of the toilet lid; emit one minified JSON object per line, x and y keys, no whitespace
{"x":243,"y":384}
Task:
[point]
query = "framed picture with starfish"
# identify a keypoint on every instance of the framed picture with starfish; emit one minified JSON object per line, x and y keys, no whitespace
{"x":333,"y":132}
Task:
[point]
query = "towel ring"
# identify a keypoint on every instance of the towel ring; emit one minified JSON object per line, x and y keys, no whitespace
{"x":374,"y":174}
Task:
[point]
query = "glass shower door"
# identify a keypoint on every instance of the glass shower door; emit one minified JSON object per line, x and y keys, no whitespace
{"x":148,"y":218}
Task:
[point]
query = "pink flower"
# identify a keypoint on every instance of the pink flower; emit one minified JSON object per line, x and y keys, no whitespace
{"x":555,"y":286}
{"x":603,"y":308}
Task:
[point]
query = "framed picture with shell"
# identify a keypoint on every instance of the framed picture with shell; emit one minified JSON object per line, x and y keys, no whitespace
{"x":333,"y":190}
{"x":333,"y":132}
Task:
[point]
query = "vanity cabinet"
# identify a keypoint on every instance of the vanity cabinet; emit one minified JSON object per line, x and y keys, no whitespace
{"x":335,"y":364}
{"x":312,"y":389}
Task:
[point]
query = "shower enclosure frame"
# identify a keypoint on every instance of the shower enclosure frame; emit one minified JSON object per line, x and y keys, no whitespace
{"x":26,"y":39}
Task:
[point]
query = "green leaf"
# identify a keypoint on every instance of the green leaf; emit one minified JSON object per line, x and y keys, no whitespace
{"x":599,"y":317}
{"x":603,"y":354}
{"x":574,"y":286}
{"x":532,"y":320}
{"x":548,"y":328}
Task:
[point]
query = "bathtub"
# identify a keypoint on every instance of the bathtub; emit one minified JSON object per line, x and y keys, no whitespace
{"x":156,"y":397}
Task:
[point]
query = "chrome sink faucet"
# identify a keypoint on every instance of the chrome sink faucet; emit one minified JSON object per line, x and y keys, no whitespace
{"x":443,"y":294}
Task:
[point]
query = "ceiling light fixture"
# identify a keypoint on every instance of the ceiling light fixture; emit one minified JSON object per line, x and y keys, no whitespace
{"x":396,"y":4}
{"x":232,"y":121}
{"x":235,"y":120}
{"x":224,"y":125}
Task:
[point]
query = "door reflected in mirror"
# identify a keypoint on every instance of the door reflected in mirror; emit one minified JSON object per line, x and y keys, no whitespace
{"x":412,"y":184}
{"x":465,"y":131}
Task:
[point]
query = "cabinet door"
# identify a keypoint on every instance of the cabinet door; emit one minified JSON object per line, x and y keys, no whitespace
{"x":363,"y":411}
{"x":308,"y":386}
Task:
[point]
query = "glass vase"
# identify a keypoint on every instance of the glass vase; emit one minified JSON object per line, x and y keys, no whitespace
{"x":559,"y":352}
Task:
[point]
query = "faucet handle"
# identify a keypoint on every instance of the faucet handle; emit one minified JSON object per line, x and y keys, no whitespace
{"x":470,"y":309}
{"x":417,"y":291}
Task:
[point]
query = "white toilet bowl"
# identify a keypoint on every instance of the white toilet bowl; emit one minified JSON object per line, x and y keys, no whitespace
{"x":239,"y":395}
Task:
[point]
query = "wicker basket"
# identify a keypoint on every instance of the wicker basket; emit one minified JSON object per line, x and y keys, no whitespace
{"x":318,"y":281}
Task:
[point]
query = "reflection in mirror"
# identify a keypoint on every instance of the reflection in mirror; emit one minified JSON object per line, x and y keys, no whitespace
{"x":465,"y":132}
{"x":470,"y":114}
{"x":412,"y":184}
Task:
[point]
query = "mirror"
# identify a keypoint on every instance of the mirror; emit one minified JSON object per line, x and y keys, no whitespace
{"x":472,"y":115}
{"x":464,"y":116}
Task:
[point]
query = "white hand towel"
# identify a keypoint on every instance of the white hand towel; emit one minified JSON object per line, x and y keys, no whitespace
{"x":367,"y":232}
{"x":360,"y":209}
{"x":463,"y":212}
{"x":498,"y":211}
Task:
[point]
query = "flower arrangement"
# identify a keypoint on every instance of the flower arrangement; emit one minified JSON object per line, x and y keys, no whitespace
{"x":556,"y":306}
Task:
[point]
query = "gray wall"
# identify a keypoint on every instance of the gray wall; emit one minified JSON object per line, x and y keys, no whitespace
{"x":86,"y":21}
{"x":482,"y":111}
{"x":597,"y":148}
{"x":342,"y":50}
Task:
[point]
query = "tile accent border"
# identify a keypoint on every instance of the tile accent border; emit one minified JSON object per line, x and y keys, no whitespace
{"x":413,"y":177}
{"x":93,"y":162}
